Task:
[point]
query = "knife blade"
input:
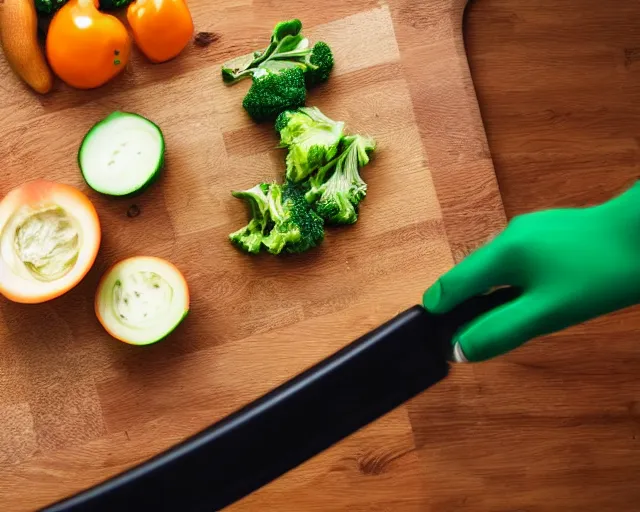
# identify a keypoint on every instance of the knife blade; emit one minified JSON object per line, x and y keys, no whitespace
{"x":299,"y":419}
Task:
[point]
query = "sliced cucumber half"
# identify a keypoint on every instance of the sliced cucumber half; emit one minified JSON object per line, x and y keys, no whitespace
{"x":142,"y":300}
{"x":122,"y":154}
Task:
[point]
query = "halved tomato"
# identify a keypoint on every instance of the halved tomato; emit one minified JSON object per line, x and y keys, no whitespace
{"x":49,"y":239}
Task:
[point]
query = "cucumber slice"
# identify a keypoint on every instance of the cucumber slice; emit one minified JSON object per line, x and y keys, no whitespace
{"x":122,"y":154}
{"x":142,"y":300}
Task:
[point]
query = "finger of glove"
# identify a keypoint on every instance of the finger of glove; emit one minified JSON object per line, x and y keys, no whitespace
{"x":500,"y":330}
{"x":476,"y":274}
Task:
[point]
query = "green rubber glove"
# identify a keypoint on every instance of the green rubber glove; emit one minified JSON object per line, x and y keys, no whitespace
{"x":571,"y":264}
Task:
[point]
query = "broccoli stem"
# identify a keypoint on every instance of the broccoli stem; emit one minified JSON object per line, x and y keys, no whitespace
{"x":357,"y":186}
{"x":234,"y":77}
{"x":337,"y":198}
{"x":293,"y":53}
{"x":318,"y":180}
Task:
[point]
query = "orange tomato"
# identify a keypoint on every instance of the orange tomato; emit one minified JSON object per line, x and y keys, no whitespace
{"x":21,"y":280}
{"x":85,"y":47}
{"x":161,"y":28}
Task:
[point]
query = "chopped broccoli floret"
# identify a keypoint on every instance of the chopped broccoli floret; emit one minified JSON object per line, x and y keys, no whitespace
{"x":312,"y":139}
{"x":330,"y":181}
{"x":336,"y":207}
{"x":239,"y":67}
{"x":250,"y":237}
{"x":310,"y":224}
{"x":297,"y":228}
{"x":294,"y":51}
{"x":283,"y":120}
{"x":282,"y":220}
{"x":271,"y":93}
{"x":288,"y":49}
{"x":341,"y":193}
{"x":290,"y":124}
{"x":321,"y":65}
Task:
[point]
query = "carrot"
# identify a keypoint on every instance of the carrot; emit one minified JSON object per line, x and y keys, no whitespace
{"x":19,"y":39}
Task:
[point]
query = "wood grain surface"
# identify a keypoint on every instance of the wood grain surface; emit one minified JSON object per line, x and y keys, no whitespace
{"x":550,"y":427}
{"x":554,"y":426}
{"x":77,"y":406}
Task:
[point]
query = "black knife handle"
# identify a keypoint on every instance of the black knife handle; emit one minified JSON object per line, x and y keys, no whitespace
{"x":292,"y":423}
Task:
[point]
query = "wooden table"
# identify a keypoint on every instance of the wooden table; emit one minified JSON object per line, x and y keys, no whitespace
{"x":550,"y":427}
{"x":559,"y":89}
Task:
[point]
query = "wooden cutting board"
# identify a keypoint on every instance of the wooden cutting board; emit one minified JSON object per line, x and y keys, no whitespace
{"x":77,"y":406}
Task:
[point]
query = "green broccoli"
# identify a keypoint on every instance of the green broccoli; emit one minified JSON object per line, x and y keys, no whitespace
{"x":51,"y":6}
{"x":320,"y":64}
{"x":271,"y":93}
{"x":302,"y":215}
{"x":239,"y":67}
{"x":316,"y":62}
{"x":338,"y":197}
{"x":290,"y":124}
{"x":250,"y":237}
{"x":282,"y":220}
{"x":297,"y":228}
{"x":312,"y":139}
{"x":288,"y":49}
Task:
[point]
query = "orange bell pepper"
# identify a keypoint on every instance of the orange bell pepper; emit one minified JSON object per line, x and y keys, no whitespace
{"x":161,"y":28}
{"x":85,"y":47}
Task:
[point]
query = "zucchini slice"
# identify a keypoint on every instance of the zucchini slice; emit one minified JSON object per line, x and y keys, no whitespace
{"x":49,"y":238}
{"x":141,"y":300}
{"x":122,"y":154}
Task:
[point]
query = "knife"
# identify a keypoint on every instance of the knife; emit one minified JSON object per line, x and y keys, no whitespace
{"x":299,"y":419}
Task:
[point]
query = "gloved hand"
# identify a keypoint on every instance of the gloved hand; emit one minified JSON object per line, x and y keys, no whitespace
{"x":571,"y":264}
